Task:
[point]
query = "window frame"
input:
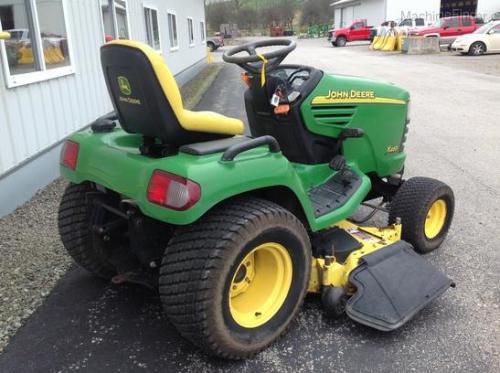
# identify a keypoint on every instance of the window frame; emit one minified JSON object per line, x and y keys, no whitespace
{"x":190,"y":24}
{"x":421,"y":21}
{"x":467,"y":22}
{"x":43,"y":74}
{"x":203,"y":31}
{"x":175,"y":47}
{"x":406,"y":22}
{"x":115,"y":20}
{"x":152,"y":7}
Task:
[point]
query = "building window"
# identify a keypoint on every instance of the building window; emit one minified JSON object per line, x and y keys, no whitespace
{"x":172,"y":31}
{"x":203,"y":32}
{"x":190,"y":31}
{"x":39,"y":47}
{"x":152,"y":28}
{"x":114,"y":19}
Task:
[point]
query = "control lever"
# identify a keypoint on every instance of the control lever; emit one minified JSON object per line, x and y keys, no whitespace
{"x":338,"y":163}
{"x":348,"y":133}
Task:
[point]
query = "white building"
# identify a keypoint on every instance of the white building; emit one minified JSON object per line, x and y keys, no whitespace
{"x":51,"y":83}
{"x":378,"y":11}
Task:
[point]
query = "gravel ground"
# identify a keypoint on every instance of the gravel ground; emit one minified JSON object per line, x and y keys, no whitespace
{"x":32,"y":255}
{"x":32,"y":258}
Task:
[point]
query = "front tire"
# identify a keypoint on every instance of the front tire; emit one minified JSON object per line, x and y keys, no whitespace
{"x":233,"y":282}
{"x":341,"y":42}
{"x":477,"y":49}
{"x":426,"y":208}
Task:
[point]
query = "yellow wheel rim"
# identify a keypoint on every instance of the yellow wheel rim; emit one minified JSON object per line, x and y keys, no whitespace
{"x":260,"y":285}
{"x":436,"y":218}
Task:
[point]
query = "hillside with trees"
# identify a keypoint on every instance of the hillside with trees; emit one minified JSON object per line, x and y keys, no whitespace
{"x":253,"y":15}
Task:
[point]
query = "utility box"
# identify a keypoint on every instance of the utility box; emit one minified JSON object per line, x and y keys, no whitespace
{"x":420,"y":45}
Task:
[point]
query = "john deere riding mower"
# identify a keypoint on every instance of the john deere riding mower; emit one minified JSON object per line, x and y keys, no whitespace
{"x":235,"y":230}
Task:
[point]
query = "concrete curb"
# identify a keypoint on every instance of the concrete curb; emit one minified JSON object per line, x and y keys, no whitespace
{"x":193,"y":91}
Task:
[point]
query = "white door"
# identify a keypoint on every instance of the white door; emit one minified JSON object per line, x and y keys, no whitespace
{"x":347,"y":16}
{"x":494,"y":39}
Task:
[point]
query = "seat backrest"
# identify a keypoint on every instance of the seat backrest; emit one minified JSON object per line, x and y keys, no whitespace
{"x":144,"y":93}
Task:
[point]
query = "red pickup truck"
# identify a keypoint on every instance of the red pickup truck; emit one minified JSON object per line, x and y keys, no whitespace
{"x":358,"y":30}
{"x":449,"y":28}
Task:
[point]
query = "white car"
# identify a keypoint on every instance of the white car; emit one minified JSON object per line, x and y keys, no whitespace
{"x":484,"y":40}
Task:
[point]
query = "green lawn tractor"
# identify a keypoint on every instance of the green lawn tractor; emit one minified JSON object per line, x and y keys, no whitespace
{"x":235,"y":230}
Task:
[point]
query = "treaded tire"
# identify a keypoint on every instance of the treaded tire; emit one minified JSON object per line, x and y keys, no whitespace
{"x":412,"y":203}
{"x":76,"y":231}
{"x":199,"y":264}
{"x":341,"y":42}
{"x":477,"y":49}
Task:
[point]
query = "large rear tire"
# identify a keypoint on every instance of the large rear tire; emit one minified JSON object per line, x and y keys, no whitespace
{"x":75,"y":229}
{"x":426,"y":208}
{"x":233,"y":282}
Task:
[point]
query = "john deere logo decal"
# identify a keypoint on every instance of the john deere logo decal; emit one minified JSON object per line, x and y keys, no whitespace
{"x":124,"y":85}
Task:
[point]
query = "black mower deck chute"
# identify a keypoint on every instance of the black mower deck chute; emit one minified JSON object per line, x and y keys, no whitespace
{"x":393,"y":284}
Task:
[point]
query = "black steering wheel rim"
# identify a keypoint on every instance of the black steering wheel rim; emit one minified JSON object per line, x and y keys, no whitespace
{"x":274,"y":58}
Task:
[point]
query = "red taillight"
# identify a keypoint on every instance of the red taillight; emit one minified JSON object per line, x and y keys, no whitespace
{"x":172,"y":191}
{"x":69,"y":155}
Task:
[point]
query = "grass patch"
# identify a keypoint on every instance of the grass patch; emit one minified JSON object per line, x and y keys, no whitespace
{"x":194,"y":90}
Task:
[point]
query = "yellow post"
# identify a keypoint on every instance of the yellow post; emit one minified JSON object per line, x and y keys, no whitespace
{"x":4,"y":36}
{"x":210,"y":57}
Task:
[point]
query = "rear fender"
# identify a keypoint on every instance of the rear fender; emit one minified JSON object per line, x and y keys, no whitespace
{"x":112,"y":160}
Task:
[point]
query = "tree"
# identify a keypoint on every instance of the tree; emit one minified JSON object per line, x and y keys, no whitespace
{"x":219,"y":13}
{"x":316,"y":12}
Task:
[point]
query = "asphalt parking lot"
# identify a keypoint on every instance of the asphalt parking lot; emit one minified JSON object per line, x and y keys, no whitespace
{"x":90,"y":326}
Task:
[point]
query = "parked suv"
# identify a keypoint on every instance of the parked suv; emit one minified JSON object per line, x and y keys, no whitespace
{"x":449,"y":28}
{"x":215,"y":43}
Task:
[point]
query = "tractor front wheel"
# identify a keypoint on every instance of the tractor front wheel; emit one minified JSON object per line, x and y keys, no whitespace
{"x":426,"y":208}
{"x":233,"y":282}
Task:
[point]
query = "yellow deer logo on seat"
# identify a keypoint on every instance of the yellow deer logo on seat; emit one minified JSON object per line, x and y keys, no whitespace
{"x":124,"y":86}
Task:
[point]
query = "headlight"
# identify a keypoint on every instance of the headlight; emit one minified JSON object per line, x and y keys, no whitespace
{"x":408,"y":112}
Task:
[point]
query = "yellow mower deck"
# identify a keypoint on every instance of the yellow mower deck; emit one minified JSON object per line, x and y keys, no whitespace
{"x":386,"y":281}
{"x":329,"y":272}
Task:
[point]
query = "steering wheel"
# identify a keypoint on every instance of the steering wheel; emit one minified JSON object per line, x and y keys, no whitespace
{"x":253,"y":62}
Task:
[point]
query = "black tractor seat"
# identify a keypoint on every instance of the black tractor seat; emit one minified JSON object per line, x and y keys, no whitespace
{"x":147,"y":99}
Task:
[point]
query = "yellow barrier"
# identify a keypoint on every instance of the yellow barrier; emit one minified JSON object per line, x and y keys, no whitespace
{"x":380,"y":42}
{"x":52,"y":56}
{"x":400,"y":42}
{"x":393,"y":40}
{"x":4,"y":36}
{"x":389,"y":44}
{"x":374,"y":42}
{"x":25,"y":56}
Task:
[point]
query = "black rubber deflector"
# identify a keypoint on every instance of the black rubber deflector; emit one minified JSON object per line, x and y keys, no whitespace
{"x":393,"y":284}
